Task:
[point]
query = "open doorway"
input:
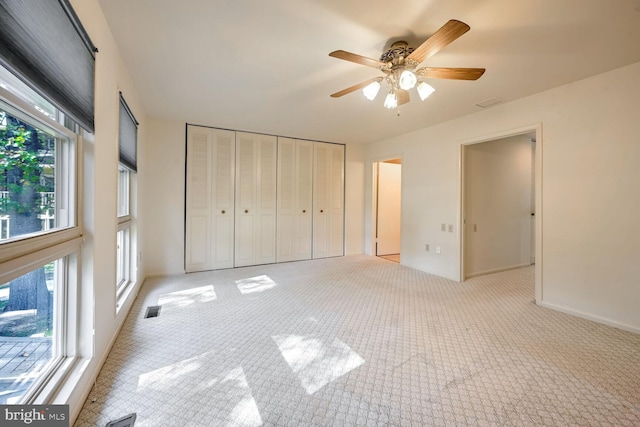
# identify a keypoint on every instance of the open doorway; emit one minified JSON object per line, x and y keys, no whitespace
{"x":388,"y":202}
{"x":500,"y":205}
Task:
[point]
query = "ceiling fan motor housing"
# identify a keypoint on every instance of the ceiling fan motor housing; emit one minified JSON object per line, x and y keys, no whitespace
{"x":396,"y":55}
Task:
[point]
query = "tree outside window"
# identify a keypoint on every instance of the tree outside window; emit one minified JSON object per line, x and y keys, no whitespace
{"x":27,"y":205}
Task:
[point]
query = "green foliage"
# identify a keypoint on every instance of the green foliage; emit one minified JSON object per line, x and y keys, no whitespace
{"x":22,"y":162}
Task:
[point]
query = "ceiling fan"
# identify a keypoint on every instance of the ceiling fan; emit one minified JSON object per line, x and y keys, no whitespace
{"x":399,"y":63}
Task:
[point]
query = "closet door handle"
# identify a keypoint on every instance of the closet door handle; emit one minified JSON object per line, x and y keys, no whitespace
{"x":223,"y":211}
{"x":304,"y":211}
{"x":321,"y":210}
{"x":246,"y":211}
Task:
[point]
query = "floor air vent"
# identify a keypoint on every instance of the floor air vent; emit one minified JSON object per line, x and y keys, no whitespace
{"x":152,"y":311}
{"x":126,"y":421}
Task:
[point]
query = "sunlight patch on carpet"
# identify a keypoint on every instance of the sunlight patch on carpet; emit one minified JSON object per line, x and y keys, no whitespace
{"x":255,"y":284}
{"x":315,"y":363}
{"x":194,"y":377}
{"x":182,"y":299}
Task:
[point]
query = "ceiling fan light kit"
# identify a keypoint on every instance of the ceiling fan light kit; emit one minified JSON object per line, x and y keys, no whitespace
{"x":371,"y":90}
{"x":424,"y":90}
{"x":399,"y":63}
{"x":391,"y":101}
{"x":407,"y":80}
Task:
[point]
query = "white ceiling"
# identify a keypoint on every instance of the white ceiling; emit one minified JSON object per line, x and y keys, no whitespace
{"x":263,"y":66}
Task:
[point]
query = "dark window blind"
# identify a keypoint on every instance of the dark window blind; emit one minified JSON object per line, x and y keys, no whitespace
{"x":128,"y":137}
{"x":44,"y":44}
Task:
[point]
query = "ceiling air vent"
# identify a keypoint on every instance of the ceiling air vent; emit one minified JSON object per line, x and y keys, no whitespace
{"x":490,"y":102}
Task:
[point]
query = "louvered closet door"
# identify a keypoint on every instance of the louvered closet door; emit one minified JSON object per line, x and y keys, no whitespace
{"x":295,"y":178}
{"x":209,"y":238}
{"x":255,"y":241}
{"x":328,"y":200}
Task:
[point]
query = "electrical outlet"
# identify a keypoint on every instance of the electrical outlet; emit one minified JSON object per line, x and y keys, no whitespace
{"x":426,"y":247}
{"x":437,"y":249}
{"x":443,"y":227}
{"x":450,"y":228}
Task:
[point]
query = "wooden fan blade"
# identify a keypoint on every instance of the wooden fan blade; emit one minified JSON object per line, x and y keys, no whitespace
{"x":451,"y":73}
{"x":403,"y":96}
{"x":353,"y":88}
{"x":441,"y":38}
{"x":358,"y":59}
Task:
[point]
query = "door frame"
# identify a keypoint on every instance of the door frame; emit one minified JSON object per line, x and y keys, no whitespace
{"x":538,"y":169}
{"x":374,"y":200}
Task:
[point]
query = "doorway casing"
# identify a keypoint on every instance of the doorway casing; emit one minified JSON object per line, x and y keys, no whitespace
{"x":538,"y":237}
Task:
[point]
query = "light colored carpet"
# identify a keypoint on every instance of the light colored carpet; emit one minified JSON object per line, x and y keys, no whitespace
{"x":359,"y":340}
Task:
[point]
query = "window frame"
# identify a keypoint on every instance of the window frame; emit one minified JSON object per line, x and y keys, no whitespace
{"x":123,"y":235}
{"x":127,"y":166}
{"x":23,"y":254}
{"x":67,"y":189}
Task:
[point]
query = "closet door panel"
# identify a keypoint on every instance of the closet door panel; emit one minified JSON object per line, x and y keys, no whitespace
{"x":336,"y":198}
{"x":328,"y":200}
{"x":198,"y":202}
{"x":223,"y":197}
{"x":304,"y":193}
{"x":295,"y":209}
{"x":209,"y":199}
{"x":266,"y":199}
{"x":255,"y":199}
{"x":198,"y":250}
{"x":320,"y":194}
{"x":246,"y":174}
{"x":286,"y":200}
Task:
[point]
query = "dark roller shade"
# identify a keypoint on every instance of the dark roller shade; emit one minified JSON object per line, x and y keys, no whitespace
{"x":44,"y":44}
{"x":128,"y":137}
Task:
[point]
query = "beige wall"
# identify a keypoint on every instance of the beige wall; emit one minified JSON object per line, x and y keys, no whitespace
{"x":99,"y":322}
{"x":354,"y":199}
{"x":163,"y":195}
{"x":590,"y":180}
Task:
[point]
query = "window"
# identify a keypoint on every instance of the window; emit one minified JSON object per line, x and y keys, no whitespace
{"x":123,"y":239}
{"x":32,"y":159}
{"x":39,"y":236}
{"x":127,"y":142}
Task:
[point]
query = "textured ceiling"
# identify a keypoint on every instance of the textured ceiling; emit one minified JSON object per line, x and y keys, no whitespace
{"x":263,"y":66}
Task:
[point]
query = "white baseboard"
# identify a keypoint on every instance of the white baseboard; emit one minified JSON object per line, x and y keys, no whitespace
{"x":93,"y":370}
{"x":594,"y":318}
{"x":495,"y":270}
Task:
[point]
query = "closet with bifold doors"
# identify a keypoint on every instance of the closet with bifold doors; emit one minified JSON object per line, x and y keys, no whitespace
{"x":256,"y":199}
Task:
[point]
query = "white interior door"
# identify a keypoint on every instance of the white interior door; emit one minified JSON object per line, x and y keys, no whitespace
{"x":389,"y":208}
